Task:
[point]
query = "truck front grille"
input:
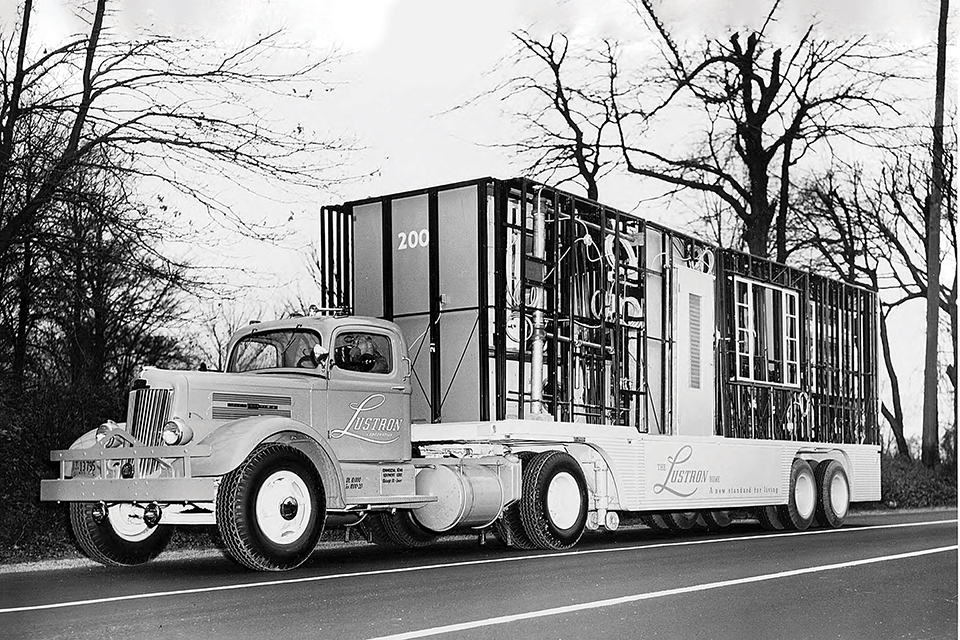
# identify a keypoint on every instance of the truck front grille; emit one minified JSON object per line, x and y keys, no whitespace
{"x":149,"y":410}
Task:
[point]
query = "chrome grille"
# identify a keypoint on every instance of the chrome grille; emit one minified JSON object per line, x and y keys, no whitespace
{"x":149,"y":410}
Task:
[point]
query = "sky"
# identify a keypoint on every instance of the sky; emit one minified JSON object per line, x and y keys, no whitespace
{"x":407,"y":64}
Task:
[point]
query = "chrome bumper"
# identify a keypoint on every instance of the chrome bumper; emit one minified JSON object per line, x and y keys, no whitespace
{"x":179,"y":487}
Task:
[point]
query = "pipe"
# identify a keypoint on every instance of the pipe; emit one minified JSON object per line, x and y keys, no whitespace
{"x":537,"y":339}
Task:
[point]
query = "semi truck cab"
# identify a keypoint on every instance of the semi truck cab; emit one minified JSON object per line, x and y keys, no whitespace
{"x":310,"y":424}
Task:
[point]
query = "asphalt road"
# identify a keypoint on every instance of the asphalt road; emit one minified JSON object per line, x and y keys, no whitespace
{"x":880,"y":576}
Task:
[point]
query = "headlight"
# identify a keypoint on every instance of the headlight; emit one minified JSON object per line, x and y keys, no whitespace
{"x":176,"y":431}
{"x":103,"y":433}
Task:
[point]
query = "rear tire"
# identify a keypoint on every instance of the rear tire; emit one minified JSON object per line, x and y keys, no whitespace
{"x":716,"y":520}
{"x":769,"y":518}
{"x":553,"y":508}
{"x":654,"y":521}
{"x":398,"y":530}
{"x":271,"y":509}
{"x":681,"y":520}
{"x":509,"y":527}
{"x":798,"y":513}
{"x":833,"y":494}
{"x":121,"y":539}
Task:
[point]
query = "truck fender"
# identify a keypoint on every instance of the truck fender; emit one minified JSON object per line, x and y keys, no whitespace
{"x":233,"y":442}
{"x":587,"y":455}
{"x":86,"y":440}
{"x":815,"y":455}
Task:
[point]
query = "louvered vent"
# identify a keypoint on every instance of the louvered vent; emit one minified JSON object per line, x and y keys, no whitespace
{"x":233,"y":406}
{"x":695,"y":340}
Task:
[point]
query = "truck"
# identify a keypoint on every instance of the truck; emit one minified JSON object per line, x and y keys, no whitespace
{"x":499,"y":356}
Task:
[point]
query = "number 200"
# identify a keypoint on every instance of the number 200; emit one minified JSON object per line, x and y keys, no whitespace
{"x":413,"y":239}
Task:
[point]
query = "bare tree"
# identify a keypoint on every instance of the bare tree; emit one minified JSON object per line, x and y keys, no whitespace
{"x":765,"y":108}
{"x":568,"y":117}
{"x":873,"y":230}
{"x":172,"y":107}
{"x":221,"y":320}
{"x":931,"y":425}
{"x":761,"y":109}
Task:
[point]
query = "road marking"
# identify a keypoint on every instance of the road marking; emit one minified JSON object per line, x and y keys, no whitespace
{"x":612,"y":602}
{"x":450,"y":565}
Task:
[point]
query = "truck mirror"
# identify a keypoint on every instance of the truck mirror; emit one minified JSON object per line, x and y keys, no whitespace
{"x":320,"y":353}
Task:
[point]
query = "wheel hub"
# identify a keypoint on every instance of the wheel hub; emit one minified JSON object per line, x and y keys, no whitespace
{"x":805,"y":495}
{"x":127,"y":522}
{"x":289,"y":508}
{"x":563,"y":500}
{"x":283,"y":507}
{"x":839,"y":495}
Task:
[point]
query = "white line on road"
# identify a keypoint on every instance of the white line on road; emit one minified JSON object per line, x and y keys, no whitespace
{"x":448,"y":565}
{"x":612,"y":602}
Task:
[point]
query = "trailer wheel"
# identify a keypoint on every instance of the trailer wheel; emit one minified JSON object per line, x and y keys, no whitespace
{"x":681,"y":520}
{"x":509,"y":527}
{"x":799,"y":511}
{"x":654,"y":521}
{"x":716,"y":520}
{"x":833,"y":494}
{"x":271,"y":509}
{"x":553,"y":508}
{"x":121,"y":539}
{"x":769,"y":518}
{"x":398,"y":530}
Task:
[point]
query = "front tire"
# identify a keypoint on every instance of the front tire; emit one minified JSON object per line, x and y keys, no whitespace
{"x":271,"y":509}
{"x":553,"y":507}
{"x":121,"y":539}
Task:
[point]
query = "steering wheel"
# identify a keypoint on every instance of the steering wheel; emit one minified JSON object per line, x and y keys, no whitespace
{"x":366,"y":362}
{"x":306,"y":361}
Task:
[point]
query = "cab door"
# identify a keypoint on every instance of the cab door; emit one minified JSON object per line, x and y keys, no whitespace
{"x":368,"y":403}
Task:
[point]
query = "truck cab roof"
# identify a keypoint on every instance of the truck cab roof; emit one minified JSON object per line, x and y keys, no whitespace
{"x":323,"y":325}
{"x":301,"y":343}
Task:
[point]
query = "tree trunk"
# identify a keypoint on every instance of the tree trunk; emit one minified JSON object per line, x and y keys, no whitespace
{"x":895,"y":418}
{"x":784,"y":202}
{"x":756,"y":235}
{"x":931,"y":370}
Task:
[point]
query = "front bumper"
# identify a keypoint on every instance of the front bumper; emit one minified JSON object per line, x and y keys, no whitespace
{"x":179,"y":486}
{"x":130,"y":490}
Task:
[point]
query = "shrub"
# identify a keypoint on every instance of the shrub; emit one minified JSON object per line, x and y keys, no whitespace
{"x":906,"y":483}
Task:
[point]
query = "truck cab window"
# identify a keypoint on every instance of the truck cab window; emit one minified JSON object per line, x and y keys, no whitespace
{"x":363,"y":352}
{"x":286,"y":349}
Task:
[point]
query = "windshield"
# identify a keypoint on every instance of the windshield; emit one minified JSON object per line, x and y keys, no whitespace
{"x":286,"y":349}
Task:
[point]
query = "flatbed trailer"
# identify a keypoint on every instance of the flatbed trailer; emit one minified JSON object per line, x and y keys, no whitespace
{"x":682,"y":377}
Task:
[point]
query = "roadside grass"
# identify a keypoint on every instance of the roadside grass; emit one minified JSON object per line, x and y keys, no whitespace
{"x":32,"y":531}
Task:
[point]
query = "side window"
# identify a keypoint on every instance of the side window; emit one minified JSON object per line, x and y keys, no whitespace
{"x":768,"y":339}
{"x":363,"y":352}
{"x":256,"y":353}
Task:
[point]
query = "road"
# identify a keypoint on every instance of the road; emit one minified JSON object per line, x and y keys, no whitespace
{"x":880,"y":576}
